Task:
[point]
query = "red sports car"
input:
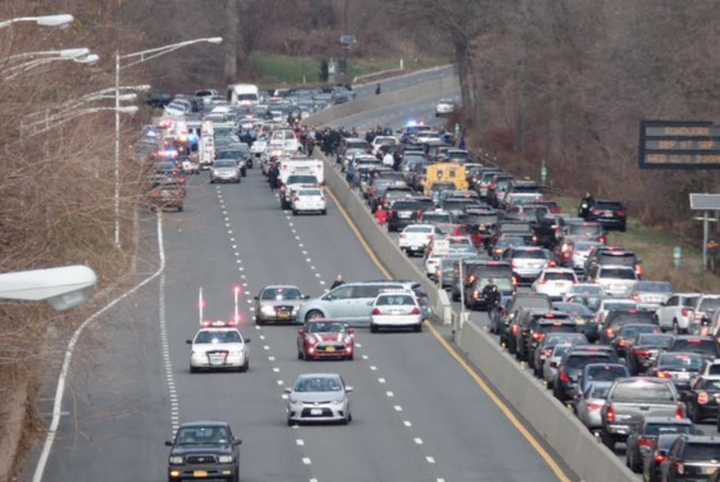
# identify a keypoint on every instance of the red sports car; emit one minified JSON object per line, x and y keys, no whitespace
{"x":320,"y":339}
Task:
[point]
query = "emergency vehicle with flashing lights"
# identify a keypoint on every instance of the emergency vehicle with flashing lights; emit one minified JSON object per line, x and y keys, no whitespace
{"x":219,"y":345}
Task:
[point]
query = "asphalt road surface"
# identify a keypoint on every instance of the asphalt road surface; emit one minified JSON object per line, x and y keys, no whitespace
{"x":418,"y":416}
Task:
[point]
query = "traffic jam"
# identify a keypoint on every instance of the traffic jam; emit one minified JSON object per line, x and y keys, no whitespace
{"x":637,"y":362}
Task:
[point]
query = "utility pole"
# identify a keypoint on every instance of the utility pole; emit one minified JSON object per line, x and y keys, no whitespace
{"x":231,"y":42}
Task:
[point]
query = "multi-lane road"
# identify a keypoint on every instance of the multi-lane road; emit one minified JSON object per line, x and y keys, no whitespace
{"x":418,"y":415}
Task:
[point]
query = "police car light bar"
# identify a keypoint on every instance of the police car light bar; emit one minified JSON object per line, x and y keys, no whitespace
{"x":218,"y":324}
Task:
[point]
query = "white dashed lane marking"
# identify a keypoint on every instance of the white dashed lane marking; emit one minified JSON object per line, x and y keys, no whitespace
{"x":306,"y":460}
{"x":430,"y":460}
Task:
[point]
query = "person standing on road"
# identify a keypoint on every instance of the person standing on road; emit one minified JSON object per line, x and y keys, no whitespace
{"x":491,"y":296}
{"x":378,"y":89}
{"x":381,"y":215}
{"x":338,"y":282}
{"x":273,"y":177}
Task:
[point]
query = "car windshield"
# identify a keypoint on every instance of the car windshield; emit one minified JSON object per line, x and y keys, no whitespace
{"x":664,"y":428}
{"x":559,"y":276}
{"x":695,"y":345}
{"x":503,"y":284}
{"x":586,"y":290}
{"x":709,"y":304}
{"x":325,"y":327}
{"x":705,"y":452}
{"x":318,"y":384}
{"x":310,"y":192}
{"x":418,"y":229}
{"x":680,"y":362}
{"x":585,"y":245}
{"x":532,"y":254}
{"x":617,"y":273}
{"x":281,"y":294}
{"x":619,"y":306}
{"x":225,"y":163}
{"x":203,"y":435}
{"x":654,"y":287}
{"x":217,"y":336}
{"x":395,"y":300}
{"x":631,"y":331}
{"x":660,"y":341}
{"x":573,"y":308}
{"x":561,"y":349}
{"x":643,"y":390}
{"x":234,"y":154}
{"x":606,"y":373}
{"x":302,"y":180}
{"x":585,"y":229}
{"x":578,"y":361}
{"x":437,"y":217}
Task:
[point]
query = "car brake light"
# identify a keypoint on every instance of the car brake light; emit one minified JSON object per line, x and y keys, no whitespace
{"x":611,"y":415}
{"x":376,"y":312}
{"x":538,"y":336}
{"x":646,"y":442}
{"x":659,"y":459}
{"x":564,"y":378}
{"x":603,"y":239}
{"x":642,"y":354}
{"x":703,"y":398}
{"x":624,"y":343}
{"x":639,"y":271}
{"x":680,"y":411}
{"x":665,"y":375}
{"x":621,"y":213}
{"x":415,"y":311}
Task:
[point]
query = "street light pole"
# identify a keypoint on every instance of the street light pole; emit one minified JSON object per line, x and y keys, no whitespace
{"x":117,"y":151}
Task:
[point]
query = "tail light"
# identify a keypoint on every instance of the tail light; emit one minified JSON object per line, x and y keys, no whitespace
{"x":620,"y":213}
{"x":515,"y":263}
{"x":603,"y":239}
{"x":492,"y":186}
{"x":636,"y":298}
{"x":535,"y":239}
{"x":660,"y":458}
{"x":593,"y":406}
{"x":564,"y":378}
{"x":665,"y":375}
{"x":680,"y":411}
{"x":376,"y":312}
{"x":611,"y":414}
{"x":648,"y":443}
{"x":415,"y":311}
{"x":643,"y":354}
{"x":552,"y":264}
{"x":538,"y":336}
{"x":595,"y":211}
{"x":703,"y":398}
{"x":639,"y":271}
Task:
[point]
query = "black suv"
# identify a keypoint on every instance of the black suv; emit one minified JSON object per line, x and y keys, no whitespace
{"x":203,"y":450}
{"x":691,"y":457}
{"x":610,"y":214}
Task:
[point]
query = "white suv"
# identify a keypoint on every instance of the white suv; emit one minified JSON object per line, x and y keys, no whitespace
{"x":677,"y":312}
{"x":308,"y":199}
{"x":415,"y":238}
{"x":617,"y":281}
{"x":555,"y":282}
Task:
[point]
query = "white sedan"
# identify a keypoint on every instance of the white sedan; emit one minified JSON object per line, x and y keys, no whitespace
{"x":309,"y":200}
{"x":396,"y":310}
{"x":219,"y":345}
{"x":444,"y":107}
{"x":415,"y":238}
{"x":555,"y":282}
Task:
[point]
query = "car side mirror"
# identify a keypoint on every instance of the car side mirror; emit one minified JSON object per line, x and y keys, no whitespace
{"x":247,"y":340}
{"x":189,"y":342}
{"x":256,"y":298}
{"x":306,"y":297}
{"x":287,"y":390}
{"x":168,"y":443}
{"x":349,"y":389}
{"x":237,"y":442}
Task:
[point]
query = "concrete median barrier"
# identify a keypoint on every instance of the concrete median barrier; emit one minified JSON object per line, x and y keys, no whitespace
{"x":553,"y":422}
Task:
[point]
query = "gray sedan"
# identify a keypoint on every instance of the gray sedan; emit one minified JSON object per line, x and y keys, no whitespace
{"x":278,"y":303}
{"x":318,"y":397}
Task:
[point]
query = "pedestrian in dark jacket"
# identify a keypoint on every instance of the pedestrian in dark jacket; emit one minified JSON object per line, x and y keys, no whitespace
{"x":338,"y":282}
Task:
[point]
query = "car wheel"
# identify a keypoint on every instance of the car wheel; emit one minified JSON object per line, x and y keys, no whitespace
{"x":245,"y":367}
{"x":323,"y":212}
{"x":289,"y":422}
{"x":607,"y":440}
{"x":243,"y":173}
{"x":180,"y":209}
{"x":300,"y":355}
{"x":351,"y":357}
{"x":418,"y":327}
{"x":373,"y":328}
{"x":193,"y":369}
{"x":314,"y":315}
{"x":294,"y":211}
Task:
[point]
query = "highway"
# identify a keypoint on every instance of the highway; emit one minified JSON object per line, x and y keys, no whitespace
{"x":418,"y":416}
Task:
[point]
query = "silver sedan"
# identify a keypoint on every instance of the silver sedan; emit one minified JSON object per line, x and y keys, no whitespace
{"x":318,"y":397}
{"x":278,"y":303}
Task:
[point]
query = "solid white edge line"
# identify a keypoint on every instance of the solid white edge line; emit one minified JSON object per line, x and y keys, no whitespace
{"x":60,"y":390}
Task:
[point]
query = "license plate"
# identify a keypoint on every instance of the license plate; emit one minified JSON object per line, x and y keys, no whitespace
{"x":284,"y":315}
{"x":316,"y":411}
{"x":200,"y":473}
{"x":683,"y":376}
{"x":216,"y":360}
{"x":330,"y":349}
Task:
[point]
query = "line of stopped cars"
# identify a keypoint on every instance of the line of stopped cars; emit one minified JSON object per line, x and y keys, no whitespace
{"x":638,"y":362}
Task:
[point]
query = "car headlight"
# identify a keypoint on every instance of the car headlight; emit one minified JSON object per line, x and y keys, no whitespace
{"x":176,"y":459}
{"x":338,"y":402}
{"x":580,"y":321}
{"x":267,"y":310}
{"x":216,"y":173}
{"x":225,"y":459}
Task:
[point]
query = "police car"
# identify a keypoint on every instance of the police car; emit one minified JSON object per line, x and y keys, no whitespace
{"x":219,"y":345}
